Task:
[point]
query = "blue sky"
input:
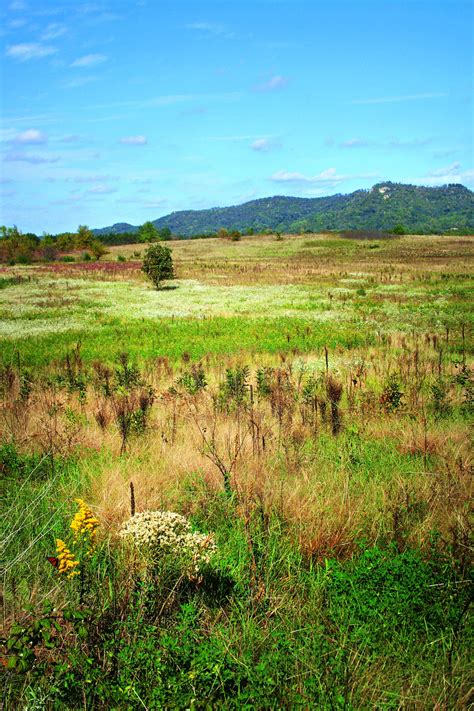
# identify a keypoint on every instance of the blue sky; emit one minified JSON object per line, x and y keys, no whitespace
{"x":126,"y":110}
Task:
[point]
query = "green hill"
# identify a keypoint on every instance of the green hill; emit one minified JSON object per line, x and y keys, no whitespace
{"x":418,"y":209}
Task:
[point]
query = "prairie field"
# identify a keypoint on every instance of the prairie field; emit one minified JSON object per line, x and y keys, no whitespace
{"x":306,"y":403}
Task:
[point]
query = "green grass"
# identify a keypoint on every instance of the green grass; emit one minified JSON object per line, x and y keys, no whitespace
{"x":264,"y":628}
{"x":37,"y":500}
{"x":41,"y":319}
{"x":341,"y":578}
{"x":146,"y":338}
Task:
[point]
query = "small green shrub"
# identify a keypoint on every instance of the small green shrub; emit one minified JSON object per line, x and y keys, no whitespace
{"x":391,"y":398}
{"x":158,"y":264}
{"x":440,"y":398}
{"x":235,"y":388}
{"x":194,"y":379}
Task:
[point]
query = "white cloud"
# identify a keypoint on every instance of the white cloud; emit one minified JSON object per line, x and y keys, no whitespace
{"x":68,"y":201}
{"x":354,"y":143}
{"x":329,"y":176}
{"x":89,"y":60}
{"x":156,"y":203}
{"x":399,"y":99}
{"x":275,"y":83}
{"x":32,"y":50}
{"x":69,"y":138}
{"x":263,"y":145}
{"x":53,"y":30}
{"x":33,"y":159}
{"x":452,"y":173}
{"x":78,"y":81}
{"x":465,"y":176}
{"x":215,"y":29}
{"x":102,"y":190}
{"x":409,"y":142}
{"x":386,"y":144}
{"x":134,"y":140}
{"x":94,"y":178}
{"x":16,"y":24}
{"x":31,"y":135}
{"x":17,"y":5}
{"x":451,"y":169}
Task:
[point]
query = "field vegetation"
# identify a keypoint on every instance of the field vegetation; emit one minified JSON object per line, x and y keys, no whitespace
{"x":303,"y":404}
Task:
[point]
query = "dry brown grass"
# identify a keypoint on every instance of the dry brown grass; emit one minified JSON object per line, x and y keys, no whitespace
{"x":263,"y":260}
{"x":272,"y":452}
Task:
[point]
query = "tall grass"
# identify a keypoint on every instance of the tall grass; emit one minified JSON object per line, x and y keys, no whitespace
{"x":329,"y":461}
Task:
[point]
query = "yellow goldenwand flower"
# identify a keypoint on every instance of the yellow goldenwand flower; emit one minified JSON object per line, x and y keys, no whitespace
{"x":66,"y":560}
{"x":84,"y":522}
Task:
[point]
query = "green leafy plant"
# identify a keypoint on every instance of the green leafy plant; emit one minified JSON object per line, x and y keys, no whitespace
{"x":391,"y":398}
{"x":158,"y":264}
{"x":194,"y":379}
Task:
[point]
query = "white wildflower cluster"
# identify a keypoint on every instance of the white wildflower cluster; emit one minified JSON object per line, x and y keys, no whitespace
{"x":158,"y":533}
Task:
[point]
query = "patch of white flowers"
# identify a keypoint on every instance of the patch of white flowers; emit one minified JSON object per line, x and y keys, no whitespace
{"x":159,"y":533}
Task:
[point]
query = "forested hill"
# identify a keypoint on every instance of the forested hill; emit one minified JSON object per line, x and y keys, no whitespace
{"x":417,"y":209}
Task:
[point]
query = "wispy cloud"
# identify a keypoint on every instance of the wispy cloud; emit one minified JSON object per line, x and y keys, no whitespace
{"x":53,"y":31}
{"x":168,"y":100}
{"x":89,"y":178}
{"x":89,"y":60}
{"x":452,"y":173}
{"x":330,"y":176}
{"x":17,"y":5}
{"x":32,"y":50}
{"x":274,"y":83}
{"x":101,"y":190}
{"x":211,"y":29}
{"x":264,"y":145}
{"x":31,"y":136}
{"x":34,"y":118}
{"x":384,"y":144}
{"x":68,"y":138}
{"x":134,"y":140}
{"x":399,"y":99}
{"x":355,"y":143}
{"x":451,"y":169}
{"x":71,"y":200}
{"x":17,"y":24}
{"x":409,"y":142}
{"x":159,"y":202}
{"x":234,"y":138}
{"x":77,"y":82}
{"x":33,"y":159}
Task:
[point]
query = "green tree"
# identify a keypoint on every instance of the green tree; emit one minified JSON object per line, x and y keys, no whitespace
{"x":97,"y":249}
{"x":158,"y":264}
{"x":16,"y":246}
{"x":84,"y":236}
{"x":165,"y":233}
{"x":399,"y":229}
{"x":148,"y":233}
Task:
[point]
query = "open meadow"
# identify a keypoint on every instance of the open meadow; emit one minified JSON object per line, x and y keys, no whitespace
{"x":305,"y":403}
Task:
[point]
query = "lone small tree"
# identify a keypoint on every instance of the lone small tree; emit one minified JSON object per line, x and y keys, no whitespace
{"x":148,"y":233}
{"x":158,"y":264}
{"x":97,"y":249}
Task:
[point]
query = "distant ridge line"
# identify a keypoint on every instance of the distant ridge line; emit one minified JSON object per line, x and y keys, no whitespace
{"x":382,"y":207}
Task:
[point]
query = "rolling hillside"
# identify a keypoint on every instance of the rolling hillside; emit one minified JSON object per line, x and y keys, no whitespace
{"x":418,"y":209}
